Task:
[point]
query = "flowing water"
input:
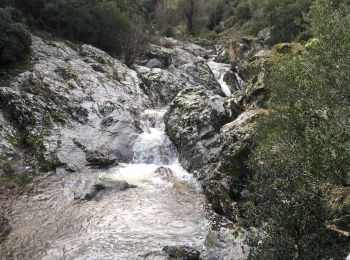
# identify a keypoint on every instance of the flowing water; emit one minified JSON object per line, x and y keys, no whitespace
{"x":166,"y":208}
{"x":219,"y":70}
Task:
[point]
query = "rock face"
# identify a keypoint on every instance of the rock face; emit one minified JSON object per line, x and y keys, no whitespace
{"x":213,"y":133}
{"x":74,"y":108}
{"x":79,"y":107}
{"x":225,"y":245}
{"x":181,"y":68}
{"x":193,"y":122}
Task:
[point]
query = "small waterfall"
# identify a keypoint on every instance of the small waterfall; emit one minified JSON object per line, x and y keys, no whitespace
{"x":153,"y":146}
{"x":240,"y":80}
{"x":219,"y":70}
{"x":165,"y":209}
{"x":155,"y":161}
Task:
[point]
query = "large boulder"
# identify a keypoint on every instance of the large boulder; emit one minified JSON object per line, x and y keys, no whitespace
{"x":160,"y":85}
{"x":226,"y":244}
{"x":177,"y":67}
{"x":193,"y":123}
{"x":76,"y":107}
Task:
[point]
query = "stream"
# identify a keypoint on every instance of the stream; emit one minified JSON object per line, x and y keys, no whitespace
{"x":165,"y":209}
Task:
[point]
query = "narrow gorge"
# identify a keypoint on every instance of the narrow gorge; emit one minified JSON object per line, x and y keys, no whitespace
{"x":112,"y":184}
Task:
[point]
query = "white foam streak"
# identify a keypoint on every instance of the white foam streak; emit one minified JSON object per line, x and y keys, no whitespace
{"x":219,"y":70}
{"x":152,"y":151}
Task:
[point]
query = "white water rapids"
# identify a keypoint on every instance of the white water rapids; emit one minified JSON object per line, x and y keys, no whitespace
{"x":166,"y":209}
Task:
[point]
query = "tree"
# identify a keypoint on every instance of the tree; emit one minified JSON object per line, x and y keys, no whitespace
{"x":190,"y":7}
{"x":15,"y":39}
{"x":286,"y":18}
{"x":133,"y":41}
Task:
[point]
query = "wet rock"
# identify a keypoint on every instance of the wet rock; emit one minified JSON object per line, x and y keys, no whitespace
{"x":218,"y":190}
{"x":181,"y":252}
{"x":174,"y":253}
{"x":226,"y":245}
{"x":198,"y":74}
{"x":89,"y":189}
{"x":183,"y":66}
{"x":161,"y":86}
{"x":5,"y":229}
{"x":164,"y":173}
{"x":101,"y":157}
{"x":193,"y":122}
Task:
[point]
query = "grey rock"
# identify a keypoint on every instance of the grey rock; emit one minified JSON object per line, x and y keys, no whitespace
{"x":181,"y":252}
{"x":160,"y":85}
{"x":101,"y":157}
{"x":193,"y":123}
{"x":265,"y":34}
{"x":154,"y":63}
{"x":5,"y":229}
{"x":89,"y":189}
{"x":164,"y":173}
{"x":73,"y":97}
{"x":226,"y":245}
{"x":174,"y":253}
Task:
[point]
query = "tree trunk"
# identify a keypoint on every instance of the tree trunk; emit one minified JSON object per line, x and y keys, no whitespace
{"x":189,"y":12}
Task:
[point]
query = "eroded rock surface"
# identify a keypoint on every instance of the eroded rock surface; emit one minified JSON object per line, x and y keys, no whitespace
{"x":75,"y":108}
{"x":213,"y":132}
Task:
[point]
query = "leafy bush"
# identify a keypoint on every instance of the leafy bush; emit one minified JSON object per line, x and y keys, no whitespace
{"x":242,"y":12}
{"x":15,"y":39}
{"x":304,"y":145}
{"x":286,"y":18}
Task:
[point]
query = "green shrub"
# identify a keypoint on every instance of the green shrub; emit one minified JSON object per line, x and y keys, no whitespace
{"x":242,"y":12}
{"x":15,"y":39}
{"x":169,"y":32}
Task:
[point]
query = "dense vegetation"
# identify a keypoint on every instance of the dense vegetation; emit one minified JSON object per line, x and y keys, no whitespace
{"x":15,"y":39}
{"x":302,"y":152}
{"x":284,"y":17}
{"x":105,"y":24}
{"x":119,"y":26}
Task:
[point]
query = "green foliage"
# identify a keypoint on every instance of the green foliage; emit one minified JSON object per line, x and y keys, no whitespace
{"x":304,"y":144}
{"x":285,"y":18}
{"x":242,"y":12}
{"x":103,"y":24}
{"x":15,"y":39}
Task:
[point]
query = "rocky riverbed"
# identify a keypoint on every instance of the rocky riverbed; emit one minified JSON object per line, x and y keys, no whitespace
{"x":109,"y":182}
